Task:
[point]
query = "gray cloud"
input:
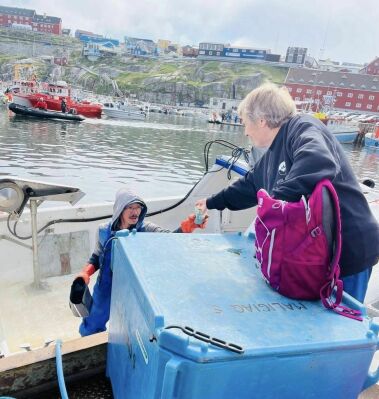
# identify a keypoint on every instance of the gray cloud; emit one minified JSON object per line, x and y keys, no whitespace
{"x":345,"y":30}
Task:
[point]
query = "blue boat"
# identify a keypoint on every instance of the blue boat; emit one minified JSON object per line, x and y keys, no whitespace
{"x":372,"y":142}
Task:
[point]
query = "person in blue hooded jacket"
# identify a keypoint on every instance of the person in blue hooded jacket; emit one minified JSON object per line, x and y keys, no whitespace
{"x":129,"y":212}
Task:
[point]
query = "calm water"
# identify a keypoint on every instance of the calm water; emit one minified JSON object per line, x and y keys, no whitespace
{"x":160,"y":156}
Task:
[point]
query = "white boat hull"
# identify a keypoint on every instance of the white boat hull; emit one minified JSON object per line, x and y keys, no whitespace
{"x":124,"y":114}
{"x":63,"y":250}
{"x":21,"y":100}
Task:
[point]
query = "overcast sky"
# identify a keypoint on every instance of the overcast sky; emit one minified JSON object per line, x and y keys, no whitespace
{"x":344,"y":30}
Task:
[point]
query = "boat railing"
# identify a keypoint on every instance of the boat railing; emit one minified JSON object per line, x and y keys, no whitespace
{"x":368,"y":129}
{"x":341,"y":122}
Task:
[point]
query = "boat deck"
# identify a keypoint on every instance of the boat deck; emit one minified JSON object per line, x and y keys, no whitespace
{"x":32,"y":316}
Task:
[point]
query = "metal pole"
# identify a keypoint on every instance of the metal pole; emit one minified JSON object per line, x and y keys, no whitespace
{"x":36,"y":270}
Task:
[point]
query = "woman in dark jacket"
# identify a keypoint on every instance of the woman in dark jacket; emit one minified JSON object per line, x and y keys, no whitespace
{"x":299,"y":152}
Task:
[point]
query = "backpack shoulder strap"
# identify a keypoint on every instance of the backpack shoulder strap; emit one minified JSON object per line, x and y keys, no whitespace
{"x":335,"y":283}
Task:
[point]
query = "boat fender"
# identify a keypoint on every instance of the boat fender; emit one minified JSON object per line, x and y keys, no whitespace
{"x":80,"y":298}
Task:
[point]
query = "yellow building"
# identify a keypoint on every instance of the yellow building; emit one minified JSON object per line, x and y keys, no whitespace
{"x":23,"y":71}
{"x":163,"y":45}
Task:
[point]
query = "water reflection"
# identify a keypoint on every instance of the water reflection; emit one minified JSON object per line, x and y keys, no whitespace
{"x":160,"y":156}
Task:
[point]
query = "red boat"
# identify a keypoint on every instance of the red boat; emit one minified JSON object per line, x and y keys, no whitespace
{"x":27,"y":93}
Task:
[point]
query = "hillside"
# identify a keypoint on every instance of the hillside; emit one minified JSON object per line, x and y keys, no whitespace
{"x":155,"y":80}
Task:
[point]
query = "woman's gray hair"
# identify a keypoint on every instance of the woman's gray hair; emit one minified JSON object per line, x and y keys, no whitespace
{"x":268,"y":102}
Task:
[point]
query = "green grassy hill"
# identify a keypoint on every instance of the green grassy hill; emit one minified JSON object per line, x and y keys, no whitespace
{"x":166,"y":81}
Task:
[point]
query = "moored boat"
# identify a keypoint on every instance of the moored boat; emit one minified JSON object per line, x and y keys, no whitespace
{"x":39,"y":113}
{"x":372,"y":137}
{"x":219,"y":122}
{"x":29,"y":93}
{"x":122,"y":110}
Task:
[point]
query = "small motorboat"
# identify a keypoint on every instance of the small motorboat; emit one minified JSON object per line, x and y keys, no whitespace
{"x":372,"y":137}
{"x":219,"y":122}
{"x":122,"y":110}
{"x":40,"y":113}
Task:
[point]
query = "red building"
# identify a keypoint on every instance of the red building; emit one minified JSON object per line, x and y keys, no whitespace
{"x":372,"y":68}
{"x":347,"y":91}
{"x":189,"y":51}
{"x":22,"y":17}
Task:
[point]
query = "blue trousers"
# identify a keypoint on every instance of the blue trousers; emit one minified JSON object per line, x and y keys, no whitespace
{"x":356,"y":284}
{"x":101,"y":305}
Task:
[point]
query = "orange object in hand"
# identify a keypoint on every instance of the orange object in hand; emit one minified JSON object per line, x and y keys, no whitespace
{"x":86,"y":273}
{"x":188,"y":225}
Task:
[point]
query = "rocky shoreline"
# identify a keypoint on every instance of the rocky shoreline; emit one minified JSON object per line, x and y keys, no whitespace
{"x":164,"y":81}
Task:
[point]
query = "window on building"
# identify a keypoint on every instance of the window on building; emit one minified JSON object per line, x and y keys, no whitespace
{"x":339,"y":94}
{"x":297,"y":98}
{"x":350,"y":95}
{"x":299,"y":90}
{"x":289,"y":89}
{"x":358,"y":105}
{"x":360,"y":96}
{"x":309,"y":91}
{"x":371,"y":97}
{"x":318,"y":92}
{"x":369,"y":106}
{"x":329,"y":93}
{"x":347,"y":104}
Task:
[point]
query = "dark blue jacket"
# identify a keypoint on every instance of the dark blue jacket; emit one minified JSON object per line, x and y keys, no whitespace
{"x":303,"y":153}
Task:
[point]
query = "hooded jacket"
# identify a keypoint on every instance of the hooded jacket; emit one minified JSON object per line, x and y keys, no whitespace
{"x":106,"y":231}
{"x":101,"y":259}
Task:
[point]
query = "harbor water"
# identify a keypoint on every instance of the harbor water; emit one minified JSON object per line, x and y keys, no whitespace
{"x":160,"y":156}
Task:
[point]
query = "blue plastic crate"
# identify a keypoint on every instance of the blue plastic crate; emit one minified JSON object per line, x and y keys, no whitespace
{"x":210,"y":283}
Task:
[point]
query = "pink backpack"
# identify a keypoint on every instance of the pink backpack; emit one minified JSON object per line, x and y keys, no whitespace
{"x":298,"y":246}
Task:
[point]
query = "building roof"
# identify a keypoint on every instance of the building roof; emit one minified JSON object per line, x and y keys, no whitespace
{"x":46,"y":19}
{"x":17,"y":11}
{"x":137,"y":39}
{"x":343,"y":80}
